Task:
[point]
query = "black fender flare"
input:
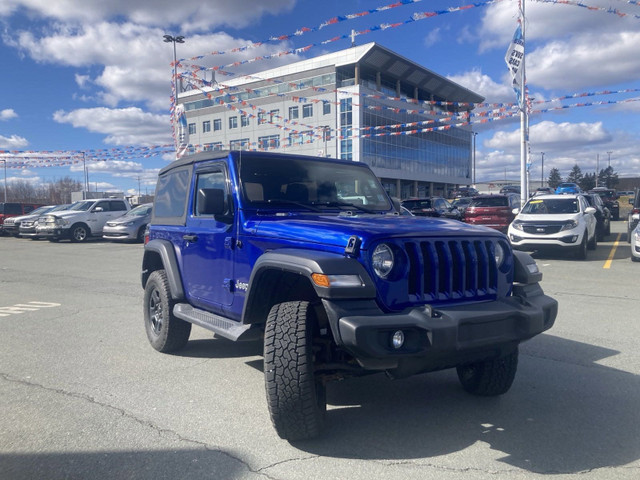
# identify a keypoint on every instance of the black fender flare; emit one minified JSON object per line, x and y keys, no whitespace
{"x":160,"y":254}
{"x":305,"y":263}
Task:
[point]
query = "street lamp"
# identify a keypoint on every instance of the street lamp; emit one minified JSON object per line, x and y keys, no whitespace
{"x":174,"y":40}
{"x":474,"y":157}
{"x":5,"y":179}
{"x":542,"y":171}
{"x":609,"y":153}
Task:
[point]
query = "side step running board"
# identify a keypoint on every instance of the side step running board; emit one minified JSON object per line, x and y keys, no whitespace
{"x":219,"y":325}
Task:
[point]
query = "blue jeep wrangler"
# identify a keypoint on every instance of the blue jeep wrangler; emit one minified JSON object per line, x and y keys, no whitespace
{"x":310,"y":256}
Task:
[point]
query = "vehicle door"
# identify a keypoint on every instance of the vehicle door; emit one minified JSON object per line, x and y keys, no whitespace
{"x":208,"y":243}
{"x":99,"y":214}
{"x":589,"y":218}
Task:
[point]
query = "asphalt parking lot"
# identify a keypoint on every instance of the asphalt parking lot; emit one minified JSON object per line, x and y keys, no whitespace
{"x":84,"y":396}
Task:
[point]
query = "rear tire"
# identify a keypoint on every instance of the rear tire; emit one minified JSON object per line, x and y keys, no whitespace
{"x":296,"y":398}
{"x":165,"y":332}
{"x":593,"y":243}
{"x":489,"y":377}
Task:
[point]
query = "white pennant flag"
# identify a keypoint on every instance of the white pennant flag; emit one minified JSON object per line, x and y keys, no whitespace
{"x":515,"y":59}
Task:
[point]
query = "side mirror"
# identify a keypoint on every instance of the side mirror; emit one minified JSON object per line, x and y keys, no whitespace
{"x":631,"y":201}
{"x":210,"y":201}
{"x":515,"y":211}
{"x":589,"y":210}
{"x":98,"y":209}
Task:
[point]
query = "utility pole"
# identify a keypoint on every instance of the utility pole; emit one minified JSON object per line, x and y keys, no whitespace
{"x":597,"y":167}
{"x":474,"y":158}
{"x":5,"y":179}
{"x":542,"y":171}
{"x":609,"y":153}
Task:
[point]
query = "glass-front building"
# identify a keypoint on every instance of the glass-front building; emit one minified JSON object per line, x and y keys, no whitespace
{"x":364,"y":104}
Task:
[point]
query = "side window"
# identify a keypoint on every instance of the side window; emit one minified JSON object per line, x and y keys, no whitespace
{"x":171,"y":195}
{"x":117,"y":205}
{"x":211,"y":179}
{"x":103,"y":205}
{"x":28,"y":208}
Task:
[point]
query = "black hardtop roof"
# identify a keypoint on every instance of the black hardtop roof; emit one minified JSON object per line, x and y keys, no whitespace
{"x":204,"y":156}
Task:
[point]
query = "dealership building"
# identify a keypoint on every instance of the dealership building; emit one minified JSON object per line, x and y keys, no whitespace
{"x":365,"y":104}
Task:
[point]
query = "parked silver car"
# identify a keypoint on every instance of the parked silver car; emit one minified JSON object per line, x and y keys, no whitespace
{"x":28,"y":224}
{"x":635,"y":244}
{"x":130,"y":226}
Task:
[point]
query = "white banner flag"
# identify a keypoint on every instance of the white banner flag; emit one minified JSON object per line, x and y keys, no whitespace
{"x":515,"y":59}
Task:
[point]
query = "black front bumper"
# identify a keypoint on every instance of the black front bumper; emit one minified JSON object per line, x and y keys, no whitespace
{"x":437,"y":338}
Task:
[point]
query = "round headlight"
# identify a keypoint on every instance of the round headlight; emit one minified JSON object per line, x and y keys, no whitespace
{"x":499,"y":254}
{"x":382,"y":260}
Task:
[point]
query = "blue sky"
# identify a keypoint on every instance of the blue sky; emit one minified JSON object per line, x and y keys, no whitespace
{"x":96,"y":75}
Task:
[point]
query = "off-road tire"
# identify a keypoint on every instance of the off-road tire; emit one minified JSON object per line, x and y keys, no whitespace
{"x":581,"y":251}
{"x":166,"y":332}
{"x":593,"y":243}
{"x":79,"y":233}
{"x":489,"y":377}
{"x":296,"y":398}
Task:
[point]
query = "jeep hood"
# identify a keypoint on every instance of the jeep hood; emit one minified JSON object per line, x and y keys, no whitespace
{"x":336,"y":230}
{"x":550,"y":218}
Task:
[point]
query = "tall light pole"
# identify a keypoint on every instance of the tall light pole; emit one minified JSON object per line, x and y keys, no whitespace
{"x":542,"y":171}
{"x":609,"y":153}
{"x":597,"y":167}
{"x":5,"y":179}
{"x":174,"y":40}
{"x":474,"y":158}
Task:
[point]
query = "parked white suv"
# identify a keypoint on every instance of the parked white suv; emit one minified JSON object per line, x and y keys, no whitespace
{"x":555,"y":221}
{"x":82,"y":220}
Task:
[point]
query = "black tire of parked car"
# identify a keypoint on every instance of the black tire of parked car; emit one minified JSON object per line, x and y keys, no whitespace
{"x":581,"y":250}
{"x":165,"y":332}
{"x":593,"y":243}
{"x":296,"y":398}
{"x":489,"y":377}
{"x":79,"y":233}
{"x":140,"y":235}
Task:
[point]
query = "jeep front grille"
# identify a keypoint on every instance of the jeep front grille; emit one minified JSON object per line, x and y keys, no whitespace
{"x":442,"y":270}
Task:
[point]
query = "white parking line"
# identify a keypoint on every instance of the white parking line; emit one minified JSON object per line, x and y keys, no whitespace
{"x":25,"y":307}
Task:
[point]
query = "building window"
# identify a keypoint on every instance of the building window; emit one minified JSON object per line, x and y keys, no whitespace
{"x":273,"y":114}
{"x":262,"y":118}
{"x":293,"y":113}
{"x":192,"y":129}
{"x":307,"y":110}
{"x":206,"y":126}
{"x":346,"y":145}
{"x":233,"y":122}
{"x":269,"y":141}
{"x":239,"y":144}
{"x":301,"y":137}
{"x":244,"y":121}
{"x":217,"y":124}
{"x":326,"y":108}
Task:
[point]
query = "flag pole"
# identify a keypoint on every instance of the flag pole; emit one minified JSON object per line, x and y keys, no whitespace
{"x":524,"y":133}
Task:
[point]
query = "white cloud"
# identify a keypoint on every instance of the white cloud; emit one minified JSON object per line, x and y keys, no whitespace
{"x":433,"y":37}
{"x":189,"y":16}
{"x":481,"y":83}
{"x":135,"y":62}
{"x":14,"y":142}
{"x":125,"y":126}
{"x":551,"y":135}
{"x":7,"y":114}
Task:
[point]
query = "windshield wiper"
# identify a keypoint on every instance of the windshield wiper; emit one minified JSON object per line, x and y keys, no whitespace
{"x":292,"y":202}
{"x":345,"y":204}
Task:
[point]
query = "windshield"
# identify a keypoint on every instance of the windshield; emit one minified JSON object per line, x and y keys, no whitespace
{"x":552,"y":206}
{"x":60,"y":208}
{"x":40,"y":210}
{"x":82,"y":205}
{"x":490,"y":202}
{"x":310,"y":184}
{"x":139,"y":211}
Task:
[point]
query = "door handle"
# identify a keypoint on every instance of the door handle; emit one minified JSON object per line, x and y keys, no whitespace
{"x":190,"y":238}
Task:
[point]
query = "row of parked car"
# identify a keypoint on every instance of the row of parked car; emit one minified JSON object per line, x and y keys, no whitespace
{"x":112,"y":219}
{"x":575,"y":221}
